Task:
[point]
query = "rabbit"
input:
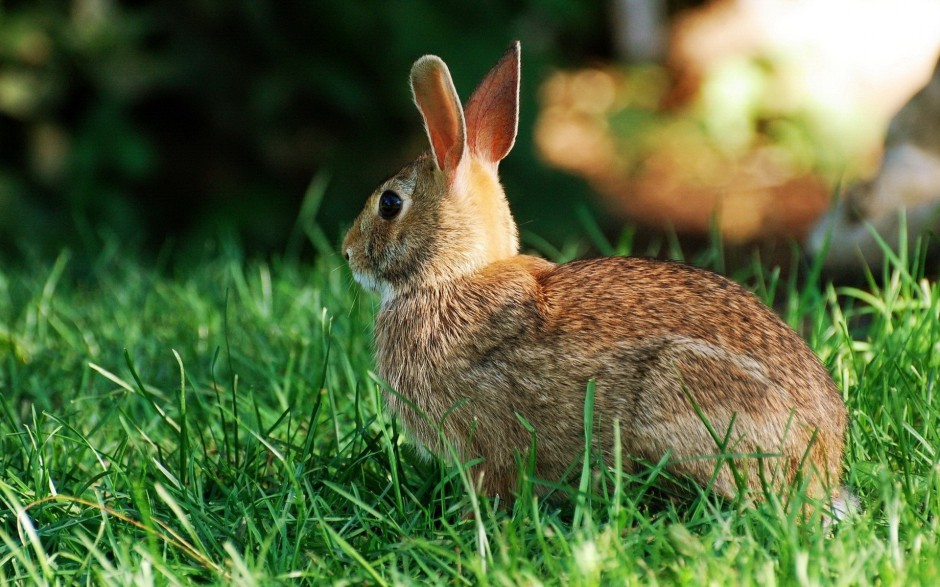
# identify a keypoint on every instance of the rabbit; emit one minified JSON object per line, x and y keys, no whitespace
{"x":473,"y":337}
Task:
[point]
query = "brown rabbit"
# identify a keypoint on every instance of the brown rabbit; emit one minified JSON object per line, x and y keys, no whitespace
{"x":472,"y":335}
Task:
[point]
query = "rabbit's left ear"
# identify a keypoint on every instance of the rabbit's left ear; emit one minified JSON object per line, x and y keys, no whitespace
{"x":443,"y":116}
{"x":493,"y":110}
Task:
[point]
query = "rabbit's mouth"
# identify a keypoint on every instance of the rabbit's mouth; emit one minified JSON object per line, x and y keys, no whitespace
{"x":371,"y":283}
{"x":366,"y":280}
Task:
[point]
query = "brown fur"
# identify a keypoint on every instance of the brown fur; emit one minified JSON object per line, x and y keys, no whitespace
{"x":473,"y":335}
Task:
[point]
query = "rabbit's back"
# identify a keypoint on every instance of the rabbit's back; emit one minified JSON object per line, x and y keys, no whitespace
{"x":630,"y":299}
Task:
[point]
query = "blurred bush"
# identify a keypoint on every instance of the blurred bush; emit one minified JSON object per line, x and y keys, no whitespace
{"x":730,"y":158}
{"x":140,"y":121}
{"x":759,"y":113}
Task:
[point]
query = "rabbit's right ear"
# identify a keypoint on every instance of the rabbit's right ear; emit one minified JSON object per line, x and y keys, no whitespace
{"x":440,"y":107}
{"x":493,"y":109}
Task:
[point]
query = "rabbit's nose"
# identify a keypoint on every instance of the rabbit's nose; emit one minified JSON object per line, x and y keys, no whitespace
{"x":346,"y":254}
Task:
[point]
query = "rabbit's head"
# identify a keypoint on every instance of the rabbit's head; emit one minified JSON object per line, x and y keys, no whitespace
{"x":445,"y":215}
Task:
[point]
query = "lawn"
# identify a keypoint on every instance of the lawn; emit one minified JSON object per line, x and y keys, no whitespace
{"x":218,"y":422}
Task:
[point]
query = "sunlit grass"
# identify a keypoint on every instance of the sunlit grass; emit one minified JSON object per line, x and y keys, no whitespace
{"x":221,"y":424}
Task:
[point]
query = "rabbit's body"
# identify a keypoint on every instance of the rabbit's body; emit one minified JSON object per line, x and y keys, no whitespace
{"x":501,"y":346}
{"x":474,"y":337}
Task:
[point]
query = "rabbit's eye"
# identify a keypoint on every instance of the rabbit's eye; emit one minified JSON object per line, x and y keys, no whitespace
{"x":389,"y":204}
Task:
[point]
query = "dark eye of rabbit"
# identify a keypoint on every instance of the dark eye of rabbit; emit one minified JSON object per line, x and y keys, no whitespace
{"x":389,"y":204}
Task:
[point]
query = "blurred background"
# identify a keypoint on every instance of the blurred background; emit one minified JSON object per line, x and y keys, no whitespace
{"x":145,"y":123}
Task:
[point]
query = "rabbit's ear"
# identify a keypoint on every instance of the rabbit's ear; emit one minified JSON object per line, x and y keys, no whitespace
{"x":437,"y":100}
{"x":493,"y":110}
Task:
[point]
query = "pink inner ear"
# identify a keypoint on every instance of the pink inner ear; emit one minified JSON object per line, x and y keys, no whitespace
{"x":493,"y":110}
{"x":442,"y":129}
{"x":443,"y":117}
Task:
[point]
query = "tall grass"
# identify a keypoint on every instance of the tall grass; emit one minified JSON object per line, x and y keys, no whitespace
{"x":221,"y":424}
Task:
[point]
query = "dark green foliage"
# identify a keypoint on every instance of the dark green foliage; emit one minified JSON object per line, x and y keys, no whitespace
{"x":143,"y":120}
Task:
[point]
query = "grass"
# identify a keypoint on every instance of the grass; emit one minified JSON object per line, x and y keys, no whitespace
{"x":220,"y":424}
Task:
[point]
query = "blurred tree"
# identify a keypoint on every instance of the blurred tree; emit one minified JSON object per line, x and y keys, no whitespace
{"x":148,"y":120}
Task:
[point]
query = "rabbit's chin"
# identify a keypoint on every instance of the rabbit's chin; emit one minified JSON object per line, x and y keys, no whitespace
{"x":370,"y":283}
